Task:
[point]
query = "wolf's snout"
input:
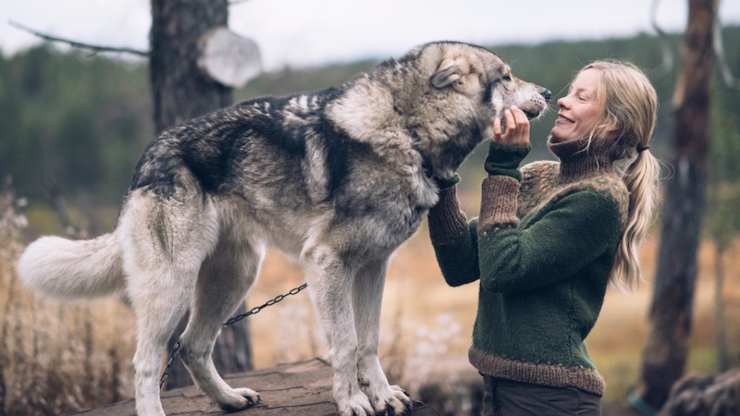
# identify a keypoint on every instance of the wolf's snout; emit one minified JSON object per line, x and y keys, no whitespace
{"x":546,"y":94}
{"x":531,"y":114}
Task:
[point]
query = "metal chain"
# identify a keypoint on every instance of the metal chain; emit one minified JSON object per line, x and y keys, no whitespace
{"x":257,"y":309}
{"x":234,"y":319}
{"x":170,"y":358}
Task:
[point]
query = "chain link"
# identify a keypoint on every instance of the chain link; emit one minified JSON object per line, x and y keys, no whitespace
{"x":170,"y":359}
{"x":270,"y":302}
{"x":234,"y":319}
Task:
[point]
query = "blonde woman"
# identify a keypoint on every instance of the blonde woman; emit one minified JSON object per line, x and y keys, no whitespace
{"x":550,"y":237}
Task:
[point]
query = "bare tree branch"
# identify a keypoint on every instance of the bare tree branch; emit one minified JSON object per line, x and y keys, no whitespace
{"x":665,"y":44}
{"x":76,"y":44}
{"x":719,"y":52}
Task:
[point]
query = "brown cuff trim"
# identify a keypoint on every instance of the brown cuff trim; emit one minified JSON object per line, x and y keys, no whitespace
{"x":545,"y":374}
{"x":447,"y":222}
{"x":498,"y":202}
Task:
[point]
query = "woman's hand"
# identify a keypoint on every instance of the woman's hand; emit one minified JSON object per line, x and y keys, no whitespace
{"x":517,"y":128}
{"x":507,"y":148}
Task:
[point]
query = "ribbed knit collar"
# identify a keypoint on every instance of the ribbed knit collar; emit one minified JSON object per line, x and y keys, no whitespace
{"x":577,"y":161}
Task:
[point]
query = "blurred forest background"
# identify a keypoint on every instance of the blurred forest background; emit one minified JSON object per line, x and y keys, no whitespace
{"x":73,"y":125}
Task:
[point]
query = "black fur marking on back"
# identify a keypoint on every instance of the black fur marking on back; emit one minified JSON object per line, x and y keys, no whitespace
{"x":210,"y":146}
{"x":156,"y":170}
{"x":339,"y":146}
{"x":210,"y":157}
{"x":337,"y":151}
{"x":392,"y":63}
{"x":272,"y":124}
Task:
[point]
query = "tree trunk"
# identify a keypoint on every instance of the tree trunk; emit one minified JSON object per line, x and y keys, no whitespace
{"x":664,"y":355}
{"x":719,"y":309}
{"x":180,"y":92}
{"x":2,"y":389}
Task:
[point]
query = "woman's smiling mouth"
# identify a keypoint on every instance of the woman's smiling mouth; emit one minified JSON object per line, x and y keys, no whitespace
{"x":563,"y":119}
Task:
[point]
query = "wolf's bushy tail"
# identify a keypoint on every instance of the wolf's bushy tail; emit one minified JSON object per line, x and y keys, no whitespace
{"x":72,"y":269}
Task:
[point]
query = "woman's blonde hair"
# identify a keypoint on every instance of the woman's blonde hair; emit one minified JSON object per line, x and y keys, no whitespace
{"x":630,"y":107}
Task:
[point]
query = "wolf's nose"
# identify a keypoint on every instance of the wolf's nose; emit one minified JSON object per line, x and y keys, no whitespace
{"x":546,"y":93}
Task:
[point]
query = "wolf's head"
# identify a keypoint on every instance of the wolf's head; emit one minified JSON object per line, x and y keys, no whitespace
{"x":440,"y":96}
{"x":478,"y":76}
{"x":467,"y":85}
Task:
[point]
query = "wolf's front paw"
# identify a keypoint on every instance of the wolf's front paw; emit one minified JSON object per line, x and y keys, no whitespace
{"x":239,"y":399}
{"x":390,"y":398}
{"x":356,"y":405}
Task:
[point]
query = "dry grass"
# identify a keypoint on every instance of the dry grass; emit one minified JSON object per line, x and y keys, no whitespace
{"x":56,"y":358}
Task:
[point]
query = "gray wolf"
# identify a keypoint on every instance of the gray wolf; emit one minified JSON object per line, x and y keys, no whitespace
{"x":337,"y":179}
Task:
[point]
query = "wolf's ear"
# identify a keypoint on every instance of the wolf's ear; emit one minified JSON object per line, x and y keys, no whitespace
{"x":448,"y":72}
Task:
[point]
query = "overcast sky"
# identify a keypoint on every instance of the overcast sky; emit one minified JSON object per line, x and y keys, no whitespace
{"x":311,"y":32}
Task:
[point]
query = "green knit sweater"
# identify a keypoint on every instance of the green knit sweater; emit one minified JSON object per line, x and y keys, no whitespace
{"x":543,"y":248}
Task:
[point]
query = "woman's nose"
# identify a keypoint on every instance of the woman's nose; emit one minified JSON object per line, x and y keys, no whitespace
{"x":562,"y":102}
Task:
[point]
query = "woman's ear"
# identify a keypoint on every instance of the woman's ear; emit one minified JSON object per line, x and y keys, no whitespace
{"x":610,"y":128}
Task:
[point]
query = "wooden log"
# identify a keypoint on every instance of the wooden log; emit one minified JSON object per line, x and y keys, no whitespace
{"x":303,"y":388}
{"x":696,"y":395}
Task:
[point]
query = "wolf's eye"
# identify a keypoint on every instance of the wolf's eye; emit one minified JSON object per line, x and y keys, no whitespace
{"x":506,"y":77}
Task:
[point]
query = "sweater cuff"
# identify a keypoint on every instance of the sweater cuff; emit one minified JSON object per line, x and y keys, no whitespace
{"x":498,"y":202}
{"x":445,"y":183}
{"x":504,"y":159}
{"x":447,"y":223}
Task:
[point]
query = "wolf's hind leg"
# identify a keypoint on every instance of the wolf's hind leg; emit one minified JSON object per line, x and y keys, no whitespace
{"x":157,"y":315}
{"x":223,"y":282}
{"x":164,"y":242}
{"x":367,"y":298}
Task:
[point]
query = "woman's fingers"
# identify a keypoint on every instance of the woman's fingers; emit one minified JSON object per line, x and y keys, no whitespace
{"x":522,"y":123}
{"x":516,"y":130}
{"x":519,"y":117}
{"x":510,"y":126}
{"x":497,"y":127}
